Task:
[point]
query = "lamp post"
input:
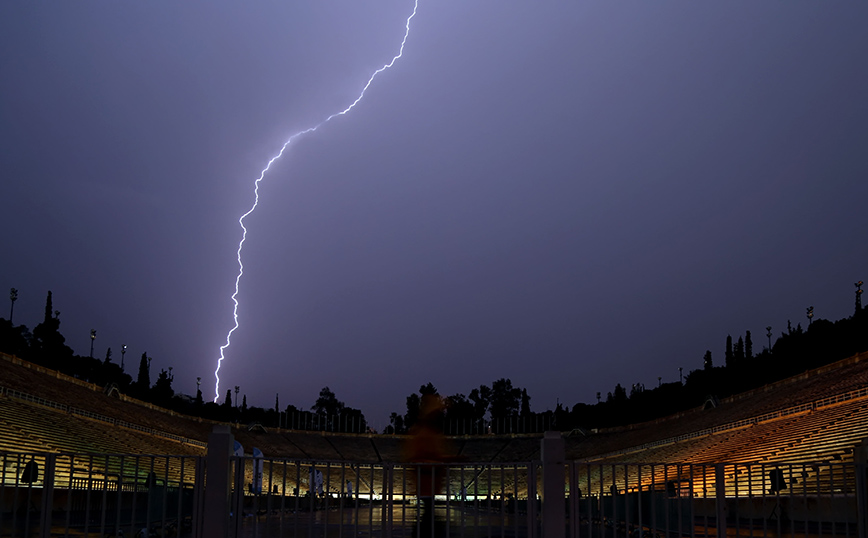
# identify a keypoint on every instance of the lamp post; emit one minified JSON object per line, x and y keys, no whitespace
{"x":858,"y":298}
{"x":92,"y":338}
{"x":769,"y":334}
{"x":810,"y":314}
{"x":123,"y":351}
{"x":13,"y":296}
{"x":680,"y":377}
{"x":237,"y":418}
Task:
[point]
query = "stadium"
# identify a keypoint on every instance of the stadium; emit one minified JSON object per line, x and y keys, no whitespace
{"x":786,"y":459}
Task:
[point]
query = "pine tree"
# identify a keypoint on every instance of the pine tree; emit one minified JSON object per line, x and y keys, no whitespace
{"x":739,"y":351}
{"x":706,"y":360}
{"x":227,"y":403}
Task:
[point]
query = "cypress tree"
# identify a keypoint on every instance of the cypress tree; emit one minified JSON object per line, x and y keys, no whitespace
{"x":728,"y":354}
{"x":748,"y":346}
{"x":144,"y":380}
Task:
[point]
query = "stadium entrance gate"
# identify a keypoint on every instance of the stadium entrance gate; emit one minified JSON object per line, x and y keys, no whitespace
{"x":50,"y":494}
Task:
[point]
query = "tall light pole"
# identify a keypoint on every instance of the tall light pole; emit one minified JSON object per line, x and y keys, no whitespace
{"x":680,"y":377}
{"x":858,"y":297}
{"x":13,"y":296}
{"x":769,"y":334}
{"x":123,"y":351}
{"x":92,"y":338}
{"x":810,"y":314}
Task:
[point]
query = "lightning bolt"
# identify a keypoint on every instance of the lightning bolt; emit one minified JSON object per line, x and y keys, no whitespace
{"x":262,"y":175}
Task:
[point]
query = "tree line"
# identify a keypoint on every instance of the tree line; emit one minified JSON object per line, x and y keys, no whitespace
{"x":497,"y":408}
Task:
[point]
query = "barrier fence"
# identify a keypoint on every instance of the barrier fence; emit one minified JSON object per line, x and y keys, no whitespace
{"x":103,"y":495}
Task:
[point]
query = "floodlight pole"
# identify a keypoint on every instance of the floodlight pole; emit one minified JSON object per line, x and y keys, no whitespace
{"x":13,"y":296}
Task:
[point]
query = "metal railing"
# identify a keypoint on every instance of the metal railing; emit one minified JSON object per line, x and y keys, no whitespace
{"x":49,"y":494}
{"x":288,"y":497}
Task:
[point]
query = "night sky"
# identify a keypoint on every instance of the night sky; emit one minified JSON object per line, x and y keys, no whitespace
{"x":571,"y":194}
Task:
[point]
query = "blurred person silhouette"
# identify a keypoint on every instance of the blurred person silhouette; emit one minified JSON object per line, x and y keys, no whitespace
{"x":30,"y":474}
{"x":427,"y":444}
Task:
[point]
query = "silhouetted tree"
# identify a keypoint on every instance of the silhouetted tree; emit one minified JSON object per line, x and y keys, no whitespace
{"x":738,"y":354}
{"x":227,"y":403}
{"x":143,"y":382}
{"x":504,"y":402}
{"x":459,"y":417}
{"x":15,"y":340}
{"x":619,"y":396}
{"x":748,"y":346}
{"x":162,"y":391}
{"x":428,"y":389}
{"x":327,"y":404}
{"x":525,"y":403}
{"x":396,"y":422}
{"x":48,"y":346}
{"x":108,"y":356}
{"x":706,"y":360}
{"x":412,"y":414}
{"x":481,"y":399}
{"x":728,"y":353}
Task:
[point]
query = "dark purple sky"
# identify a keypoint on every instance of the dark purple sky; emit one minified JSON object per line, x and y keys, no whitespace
{"x":568,"y":194}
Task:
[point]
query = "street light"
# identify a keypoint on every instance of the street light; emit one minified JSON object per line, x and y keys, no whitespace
{"x":92,"y":338}
{"x":769,"y":334}
{"x":123,"y":351}
{"x":13,"y":296}
{"x":810,"y":315}
{"x":858,"y":296}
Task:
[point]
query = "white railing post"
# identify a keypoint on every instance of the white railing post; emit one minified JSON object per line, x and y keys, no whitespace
{"x":215,"y":519}
{"x":553,"y":450}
